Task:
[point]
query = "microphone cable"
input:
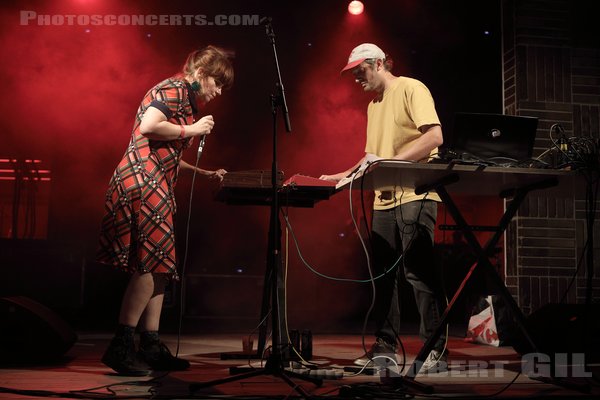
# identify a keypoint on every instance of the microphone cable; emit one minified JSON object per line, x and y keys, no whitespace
{"x":186,"y":244}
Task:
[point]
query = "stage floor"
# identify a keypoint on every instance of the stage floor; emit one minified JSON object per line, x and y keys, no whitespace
{"x":474,"y":370}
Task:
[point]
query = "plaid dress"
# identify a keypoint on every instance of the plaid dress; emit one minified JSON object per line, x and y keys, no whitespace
{"x":138,"y":227}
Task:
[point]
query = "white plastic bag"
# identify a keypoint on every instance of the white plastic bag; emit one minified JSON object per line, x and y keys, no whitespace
{"x":482,"y":327}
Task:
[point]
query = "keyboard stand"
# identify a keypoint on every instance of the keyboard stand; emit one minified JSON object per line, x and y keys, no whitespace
{"x":482,"y":253}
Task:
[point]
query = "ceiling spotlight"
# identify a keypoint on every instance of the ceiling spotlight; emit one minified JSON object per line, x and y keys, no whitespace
{"x":356,"y":7}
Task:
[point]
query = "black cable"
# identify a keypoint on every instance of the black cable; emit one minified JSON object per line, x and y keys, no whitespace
{"x":373,"y":286}
{"x":322,"y":275}
{"x":369,"y":269}
{"x":187,"y":238}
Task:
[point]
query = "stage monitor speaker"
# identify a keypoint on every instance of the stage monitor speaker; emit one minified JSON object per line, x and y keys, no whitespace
{"x":31,"y":332}
{"x":563,"y":328}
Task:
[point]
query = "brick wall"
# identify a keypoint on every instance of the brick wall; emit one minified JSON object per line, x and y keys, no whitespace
{"x":551,"y":70}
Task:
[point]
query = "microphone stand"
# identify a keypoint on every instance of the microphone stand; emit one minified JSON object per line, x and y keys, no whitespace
{"x":273,"y":277}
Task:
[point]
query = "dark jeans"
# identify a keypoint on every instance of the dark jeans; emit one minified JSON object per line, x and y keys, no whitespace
{"x":407,"y":229}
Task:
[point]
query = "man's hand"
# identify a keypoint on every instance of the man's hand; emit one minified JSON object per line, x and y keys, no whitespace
{"x":333,"y":178}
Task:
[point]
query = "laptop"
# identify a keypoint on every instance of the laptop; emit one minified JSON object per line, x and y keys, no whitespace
{"x":491,"y":138}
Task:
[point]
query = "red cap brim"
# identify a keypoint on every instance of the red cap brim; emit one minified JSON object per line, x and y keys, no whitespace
{"x":352,"y":65}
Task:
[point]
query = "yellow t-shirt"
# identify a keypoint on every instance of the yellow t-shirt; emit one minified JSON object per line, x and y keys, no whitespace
{"x":392,"y":126}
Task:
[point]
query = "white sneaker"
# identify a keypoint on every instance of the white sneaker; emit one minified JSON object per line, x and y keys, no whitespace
{"x":382,"y":351}
{"x":436,"y":361}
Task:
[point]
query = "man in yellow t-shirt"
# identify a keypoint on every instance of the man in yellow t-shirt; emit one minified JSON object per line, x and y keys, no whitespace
{"x":402,"y":125}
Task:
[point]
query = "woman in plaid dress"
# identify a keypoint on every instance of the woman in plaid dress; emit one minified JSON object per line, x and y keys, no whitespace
{"x":137,"y":230}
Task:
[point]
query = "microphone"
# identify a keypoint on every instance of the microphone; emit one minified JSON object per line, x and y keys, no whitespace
{"x":265,"y":20}
{"x":201,"y":144}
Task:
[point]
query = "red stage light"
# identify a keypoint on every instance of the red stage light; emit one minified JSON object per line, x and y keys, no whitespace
{"x":356,"y":7}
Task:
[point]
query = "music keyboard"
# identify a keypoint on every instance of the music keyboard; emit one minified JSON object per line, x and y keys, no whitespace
{"x":471,"y":179}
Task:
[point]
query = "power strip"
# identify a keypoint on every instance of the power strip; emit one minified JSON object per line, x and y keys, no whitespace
{"x":322,"y":373}
{"x":362,"y":370}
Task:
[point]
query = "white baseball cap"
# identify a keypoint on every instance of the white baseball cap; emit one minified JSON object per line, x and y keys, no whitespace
{"x":363,"y":52}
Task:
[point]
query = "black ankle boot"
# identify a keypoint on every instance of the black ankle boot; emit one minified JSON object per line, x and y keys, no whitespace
{"x":121,"y":356}
{"x":157,"y":355}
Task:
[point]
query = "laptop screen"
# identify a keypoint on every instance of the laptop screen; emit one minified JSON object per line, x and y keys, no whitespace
{"x":492,"y":136}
